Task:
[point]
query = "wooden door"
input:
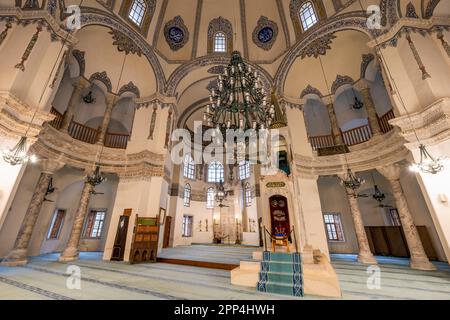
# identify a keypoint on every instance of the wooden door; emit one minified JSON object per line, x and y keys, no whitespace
{"x":121,"y":239}
{"x":167,"y":228}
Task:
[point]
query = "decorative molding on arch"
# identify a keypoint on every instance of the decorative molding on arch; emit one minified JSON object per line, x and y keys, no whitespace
{"x":428,"y":13}
{"x":310,"y":90}
{"x":216,"y":25}
{"x":215,"y":61}
{"x":348,"y":21}
{"x":130,"y":87}
{"x":390,"y":11}
{"x":411,"y":11}
{"x":91,"y":16}
{"x":366,"y":60}
{"x":340,"y":81}
{"x":217,"y":70}
{"x":124,"y":44}
{"x":79,"y":57}
{"x":103,"y":78}
{"x":318,"y":46}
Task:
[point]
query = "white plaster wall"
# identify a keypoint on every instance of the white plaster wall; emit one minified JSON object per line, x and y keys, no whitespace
{"x":334,"y":200}
{"x":69,"y":185}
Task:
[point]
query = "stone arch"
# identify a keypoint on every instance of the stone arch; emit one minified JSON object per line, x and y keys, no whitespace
{"x":346,"y":22}
{"x":91,"y":16}
{"x":101,"y":78}
{"x":339,"y":82}
{"x":183,"y":70}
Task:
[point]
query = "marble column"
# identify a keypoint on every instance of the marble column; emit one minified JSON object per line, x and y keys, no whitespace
{"x":18,"y":255}
{"x":335,"y":130}
{"x":73,"y":102}
{"x":365,"y":255}
{"x":371,"y":111}
{"x":70,"y":253}
{"x":110,"y":100}
{"x":419,"y":259}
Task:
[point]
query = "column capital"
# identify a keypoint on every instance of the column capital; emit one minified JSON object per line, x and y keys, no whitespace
{"x":391,"y":172}
{"x":80,"y":83}
{"x":362,"y":85}
{"x":50,"y":166}
{"x":110,"y":99}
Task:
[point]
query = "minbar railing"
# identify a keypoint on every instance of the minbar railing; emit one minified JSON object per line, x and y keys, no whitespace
{"x":116,"y":141}
{"x":57,"y":122}
{"x":357,"y":135}
{"x":83,"y":133}
{"x":321,"y":142}
{"x":385,"y":126}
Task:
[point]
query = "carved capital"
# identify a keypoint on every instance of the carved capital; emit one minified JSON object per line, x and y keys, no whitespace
{"x":391,"y":172}
{"x":50,"y":166}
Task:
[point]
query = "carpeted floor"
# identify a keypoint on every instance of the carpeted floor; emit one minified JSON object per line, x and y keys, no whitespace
{"x":45,"y":278}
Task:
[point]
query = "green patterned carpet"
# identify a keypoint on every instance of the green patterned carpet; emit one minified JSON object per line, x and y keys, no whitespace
{"x":45,"y":278}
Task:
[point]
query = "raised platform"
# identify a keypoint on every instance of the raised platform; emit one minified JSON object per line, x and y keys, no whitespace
{"x":207,"y":256}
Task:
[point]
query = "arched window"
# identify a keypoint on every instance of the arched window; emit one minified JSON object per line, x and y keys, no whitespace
{"x":220,"y":42}
{"x":137,"y":12}
{"x":248,"y":195}
{"x":215,"y":172}
{"x":189,"y":167}
{"x":244,"y":170}
{"x":210,"y":198}
{"x":187,"y":195}
{"x":308,"y":15}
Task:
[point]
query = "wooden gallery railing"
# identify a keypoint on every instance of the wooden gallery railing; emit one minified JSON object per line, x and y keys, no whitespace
{"x":87,"y":134}
{"x":116,"y":140}
{"x":57,"y":122}
{"x":384,"y":121}
{"x":321,"y":142}
{"x":357,"y":135}
{"x":83,"y":133}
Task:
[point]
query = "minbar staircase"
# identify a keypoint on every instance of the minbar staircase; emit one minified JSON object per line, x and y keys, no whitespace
{"x":281,"y":273}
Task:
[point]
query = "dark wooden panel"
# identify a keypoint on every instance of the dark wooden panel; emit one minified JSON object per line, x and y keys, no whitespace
{"x":396,"y":242}
{"x":427,"y":243}
{"x":379,"y":241}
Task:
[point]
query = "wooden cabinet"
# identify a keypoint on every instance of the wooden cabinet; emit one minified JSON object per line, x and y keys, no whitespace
{"x":144,"y":247}
{"x":390,"y":241}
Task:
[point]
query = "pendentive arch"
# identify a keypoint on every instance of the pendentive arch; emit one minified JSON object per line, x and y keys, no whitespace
{"x":92,"y":16}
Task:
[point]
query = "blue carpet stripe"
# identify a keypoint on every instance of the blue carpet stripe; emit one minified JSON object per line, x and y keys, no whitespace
{"x":40,"y":291}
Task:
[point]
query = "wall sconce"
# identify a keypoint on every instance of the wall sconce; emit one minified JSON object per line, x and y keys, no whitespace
{"x":443,"y":198}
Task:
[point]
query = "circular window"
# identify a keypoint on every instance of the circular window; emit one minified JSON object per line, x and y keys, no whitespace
{"x":265,"y":34}
{"x":176,"y":34}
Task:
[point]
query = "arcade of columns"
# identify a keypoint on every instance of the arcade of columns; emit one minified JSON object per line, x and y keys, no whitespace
{"x":18,"y":256}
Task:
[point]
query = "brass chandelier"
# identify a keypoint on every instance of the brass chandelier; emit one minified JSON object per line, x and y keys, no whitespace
{"x":240,"y":102}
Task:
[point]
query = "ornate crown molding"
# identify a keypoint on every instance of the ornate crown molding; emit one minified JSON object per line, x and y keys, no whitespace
{"x":103,"y":78}
{"x":54,"y":144}
{"x":124,"y":43}
{"x":340,"y":81}
{"x":129,"y":87}
{"x":310,"y":90}
{"x":431,"y":124}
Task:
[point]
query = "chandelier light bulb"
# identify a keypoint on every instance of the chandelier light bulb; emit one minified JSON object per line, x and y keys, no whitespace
{"x":18,"y":154}
{"x":428,"y":164}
